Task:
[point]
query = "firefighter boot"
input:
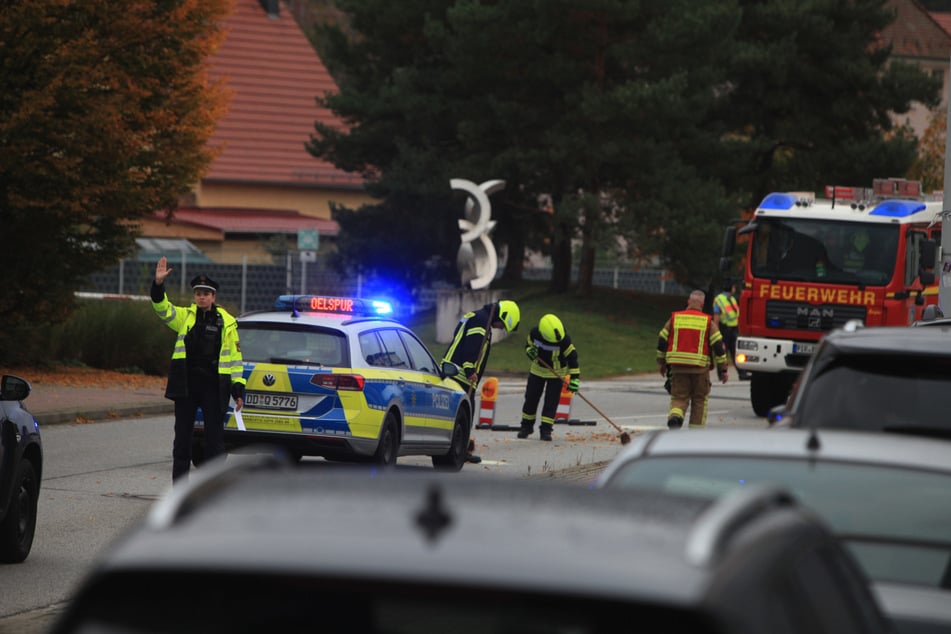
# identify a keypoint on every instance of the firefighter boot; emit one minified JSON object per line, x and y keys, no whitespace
{"x":675,"y":422}
{"x":526,"y":430}
{"x":544,"y":432}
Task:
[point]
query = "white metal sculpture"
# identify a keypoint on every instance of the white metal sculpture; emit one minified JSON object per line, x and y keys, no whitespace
{"x":477,"y":260}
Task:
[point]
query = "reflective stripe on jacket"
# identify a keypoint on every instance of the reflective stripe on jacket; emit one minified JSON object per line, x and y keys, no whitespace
{"x":729,"y":309}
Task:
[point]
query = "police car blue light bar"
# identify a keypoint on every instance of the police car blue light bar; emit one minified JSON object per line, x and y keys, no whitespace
{"x":333,"y":305}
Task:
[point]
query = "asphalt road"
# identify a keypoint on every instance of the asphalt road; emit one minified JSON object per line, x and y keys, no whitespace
{"x":100,"y":478}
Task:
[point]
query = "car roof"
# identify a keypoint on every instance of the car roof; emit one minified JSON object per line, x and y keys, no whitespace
{"x":833,"y":445}
{"x":456,"y":531}
{"x":325,"y":320}
{"x":885,"y":339}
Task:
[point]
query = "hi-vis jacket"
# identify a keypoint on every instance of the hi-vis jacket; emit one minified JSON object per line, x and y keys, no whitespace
{"x":729,"y":309}
{"x":560,"y":356}
{"x":688,"y":339}
{"x":230,"y":365}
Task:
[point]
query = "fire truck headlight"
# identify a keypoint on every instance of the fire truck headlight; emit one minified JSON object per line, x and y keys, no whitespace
{"x":746,"y":344}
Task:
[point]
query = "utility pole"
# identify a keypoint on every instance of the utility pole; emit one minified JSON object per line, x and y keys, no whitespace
{"x":944,"y":259}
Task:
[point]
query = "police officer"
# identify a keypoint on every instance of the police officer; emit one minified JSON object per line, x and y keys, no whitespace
{"x":472,"y":342}
{"x":551,"y":350}
{"x":206,"y":367}
{"x":686,"y":344}
{"x":726,"y":315}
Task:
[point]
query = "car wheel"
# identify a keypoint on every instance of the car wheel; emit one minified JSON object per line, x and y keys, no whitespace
{"x":198,"y":452}
{"x":388,"y":448}
{"x":458,"y":446}
{"x":16,"y":531}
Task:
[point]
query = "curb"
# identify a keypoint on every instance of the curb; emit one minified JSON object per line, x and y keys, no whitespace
{"x":80,"y":415}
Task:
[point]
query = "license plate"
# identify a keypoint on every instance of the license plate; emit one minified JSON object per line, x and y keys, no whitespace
{"x":803,"y":348}
{"x":265,"y":400}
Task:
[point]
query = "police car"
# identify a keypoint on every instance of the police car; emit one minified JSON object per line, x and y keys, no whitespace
{"x":335,"y":377}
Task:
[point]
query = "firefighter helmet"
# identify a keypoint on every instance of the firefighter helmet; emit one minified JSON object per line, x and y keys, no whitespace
{"x":509,"y":314}
{"x":551,"y":328}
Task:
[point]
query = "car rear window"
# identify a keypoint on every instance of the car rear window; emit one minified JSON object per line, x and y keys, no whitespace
{"x":292,"y":344}
{"x":878,"y":393}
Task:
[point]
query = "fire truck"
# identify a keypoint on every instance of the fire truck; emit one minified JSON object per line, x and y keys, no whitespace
{"x":814,"y":264}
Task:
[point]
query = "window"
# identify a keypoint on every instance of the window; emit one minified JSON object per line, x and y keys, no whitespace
{"x":419,"y":355}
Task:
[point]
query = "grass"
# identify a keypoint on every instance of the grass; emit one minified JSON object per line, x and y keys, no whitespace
{"x":615,"y":332}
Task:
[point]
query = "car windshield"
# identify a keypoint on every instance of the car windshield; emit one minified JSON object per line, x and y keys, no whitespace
{"x":896,"y":537}
{"x":263,"y":342}
{"x":823,"y":251}
{"x":878,"y":392}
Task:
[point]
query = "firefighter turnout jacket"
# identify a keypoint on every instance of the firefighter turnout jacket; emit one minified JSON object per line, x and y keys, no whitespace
{"x":470,"y":345}
{"x":689,"y":340}
{"x":561,"y":356}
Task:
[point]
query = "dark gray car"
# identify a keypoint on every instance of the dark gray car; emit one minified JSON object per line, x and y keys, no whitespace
{"x":875,"y":379}
{"x":255,"y":546}
{"x":21,"y":470}
{"x":888,"y":498}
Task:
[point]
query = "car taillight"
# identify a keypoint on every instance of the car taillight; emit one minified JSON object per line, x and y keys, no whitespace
{"x":339,"y":381}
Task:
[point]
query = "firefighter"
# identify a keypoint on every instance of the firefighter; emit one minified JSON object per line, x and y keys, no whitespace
{"x":471,"y":344}
{"x":206,"y":367}
{"x":554,"y":359}
{"x":726,"y":315}
{"x":689,"y":344}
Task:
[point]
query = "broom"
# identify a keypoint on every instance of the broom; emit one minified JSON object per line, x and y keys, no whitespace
{"x":625,"y":437}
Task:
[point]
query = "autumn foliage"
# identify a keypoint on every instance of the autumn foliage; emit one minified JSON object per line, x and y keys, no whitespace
{"x":105,"y":114}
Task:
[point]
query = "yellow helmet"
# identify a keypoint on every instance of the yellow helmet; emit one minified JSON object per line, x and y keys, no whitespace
{"x":509,"y":314}
{"x":551,"y":328}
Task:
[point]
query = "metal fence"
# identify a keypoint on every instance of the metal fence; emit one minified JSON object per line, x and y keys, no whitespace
{"x":248,"y":287}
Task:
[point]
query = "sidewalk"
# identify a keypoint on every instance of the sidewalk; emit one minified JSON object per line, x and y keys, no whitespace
{"x":58,"y":404}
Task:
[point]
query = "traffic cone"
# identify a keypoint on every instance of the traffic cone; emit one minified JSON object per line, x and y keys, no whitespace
{"x":490,"y":393}
{"x":563,"y":413}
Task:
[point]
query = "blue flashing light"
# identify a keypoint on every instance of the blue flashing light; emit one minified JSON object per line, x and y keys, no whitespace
{"x":781,"y":202}
{"x":381,"y":307}
{"x":898,"y":208}
{"x":347,"y":306}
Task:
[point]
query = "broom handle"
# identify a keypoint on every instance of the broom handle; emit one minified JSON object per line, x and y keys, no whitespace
{"x":583,"y":397}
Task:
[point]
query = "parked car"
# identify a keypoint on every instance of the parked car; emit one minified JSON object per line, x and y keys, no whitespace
{"x":335,"y":377}
{"x":250,"y":545}
{"x":880,"y":378}
{"x":887,"y":498}
{"x":21,"y":470}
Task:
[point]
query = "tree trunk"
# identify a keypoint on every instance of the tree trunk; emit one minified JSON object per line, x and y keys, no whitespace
{"x":561,"y":259}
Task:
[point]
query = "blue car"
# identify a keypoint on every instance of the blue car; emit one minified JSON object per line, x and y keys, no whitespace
{"x":335,"y":377}
{"x":21,"y":470}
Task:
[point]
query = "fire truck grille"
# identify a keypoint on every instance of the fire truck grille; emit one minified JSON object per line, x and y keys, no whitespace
{"x":801,"y":316}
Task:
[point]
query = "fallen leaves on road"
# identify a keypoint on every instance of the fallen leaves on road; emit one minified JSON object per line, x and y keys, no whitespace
{"x":86,"y":377}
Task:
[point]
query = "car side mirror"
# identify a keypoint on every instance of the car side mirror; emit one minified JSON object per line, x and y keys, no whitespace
{"x":13,"y":388}
{"x":449,"y":369}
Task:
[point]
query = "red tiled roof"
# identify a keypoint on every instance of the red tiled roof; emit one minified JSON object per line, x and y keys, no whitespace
{"x":230,"y":220}
{"x":943,"y":20}
{"x":274,"y":76}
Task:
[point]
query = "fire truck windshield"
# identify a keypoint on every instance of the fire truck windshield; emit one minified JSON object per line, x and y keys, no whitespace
{"x":825,"y":251}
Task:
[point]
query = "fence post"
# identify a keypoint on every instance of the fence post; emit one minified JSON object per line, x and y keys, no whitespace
{"x":244,"y":281}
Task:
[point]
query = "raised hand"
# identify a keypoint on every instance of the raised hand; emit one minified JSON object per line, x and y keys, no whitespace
{"x":161,"y":270}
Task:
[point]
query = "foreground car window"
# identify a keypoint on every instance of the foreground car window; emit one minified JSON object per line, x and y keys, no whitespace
{"x":280,"y":343}
{"x":886,"y":393}
{"x":148,"y":602}
{"x":886,"y":529}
